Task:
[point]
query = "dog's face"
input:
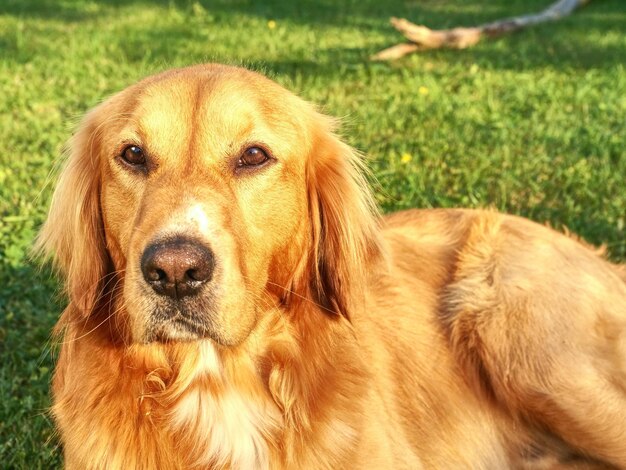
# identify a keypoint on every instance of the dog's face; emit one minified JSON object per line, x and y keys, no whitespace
{"x":202,"y":198}
{"x":202,"y":193}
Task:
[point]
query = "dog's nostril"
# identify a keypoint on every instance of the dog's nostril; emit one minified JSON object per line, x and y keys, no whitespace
{"x":177,"y":267}
{"x":156,"y":275}
{"x":201,"y":273}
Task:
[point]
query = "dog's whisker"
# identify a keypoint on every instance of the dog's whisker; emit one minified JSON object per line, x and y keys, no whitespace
{"x":87,"y":317}
{"x":77,"y":338}
{"x":114,"y":275}
{"x":289,"y":291}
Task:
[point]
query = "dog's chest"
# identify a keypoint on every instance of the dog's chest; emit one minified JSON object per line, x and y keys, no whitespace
{"x":223,"y":426}
{"x":226,"y":431}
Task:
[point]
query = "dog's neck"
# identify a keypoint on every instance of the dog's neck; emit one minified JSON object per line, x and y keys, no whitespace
{"x":255,"y":405}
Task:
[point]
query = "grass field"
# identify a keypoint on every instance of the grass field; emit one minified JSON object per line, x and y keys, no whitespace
{"x":533,"y":124}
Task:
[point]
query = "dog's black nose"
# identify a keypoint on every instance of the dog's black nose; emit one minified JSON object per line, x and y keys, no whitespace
{"x":177,"y":267}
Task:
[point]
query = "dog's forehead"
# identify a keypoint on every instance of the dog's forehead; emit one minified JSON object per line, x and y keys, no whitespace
{"x":182,"y":99}
{"x":213,"y":92}
{"x":213,"y":109}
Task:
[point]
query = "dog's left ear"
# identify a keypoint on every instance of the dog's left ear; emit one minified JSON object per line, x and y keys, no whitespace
{"x":344,"y":221}
{"x":73,"y":234}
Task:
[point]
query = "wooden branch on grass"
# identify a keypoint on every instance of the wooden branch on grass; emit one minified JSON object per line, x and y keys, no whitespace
{"x":423,"y":38}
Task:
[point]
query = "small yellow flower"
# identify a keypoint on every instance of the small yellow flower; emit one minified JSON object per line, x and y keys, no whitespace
{"x":423,"y":90}
{"x":271,"y":24}
{"x":406,"y":157}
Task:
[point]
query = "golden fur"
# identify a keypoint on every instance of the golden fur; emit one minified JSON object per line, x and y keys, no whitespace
{"x":335,"y":339}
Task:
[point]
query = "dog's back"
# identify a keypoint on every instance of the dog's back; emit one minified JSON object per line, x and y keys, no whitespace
{"x":497,"y":340}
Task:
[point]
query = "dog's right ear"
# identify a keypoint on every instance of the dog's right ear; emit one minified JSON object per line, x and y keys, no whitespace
{"x":72,"y":235}
{"x":344,"y":221}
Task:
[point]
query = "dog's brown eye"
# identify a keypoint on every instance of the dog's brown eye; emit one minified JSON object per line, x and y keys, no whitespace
{"x":134,"y":155}
{"x":253,"y":156}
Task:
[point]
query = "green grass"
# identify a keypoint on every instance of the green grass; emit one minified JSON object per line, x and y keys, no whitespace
{"x":533,"y":124}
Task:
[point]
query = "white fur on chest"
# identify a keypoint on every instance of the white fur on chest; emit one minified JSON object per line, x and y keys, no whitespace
{"x":230,"y":428}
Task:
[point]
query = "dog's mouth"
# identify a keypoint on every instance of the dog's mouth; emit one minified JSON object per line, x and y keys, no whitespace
{"x":226,"y":316}
{"x":176,"y":329}
{"x":177,"y":323}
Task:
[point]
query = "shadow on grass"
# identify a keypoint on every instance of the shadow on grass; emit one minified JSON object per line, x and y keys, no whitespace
{"x":570,"y":43}
{"x":29,"y":307}
{"x":23,"y":307}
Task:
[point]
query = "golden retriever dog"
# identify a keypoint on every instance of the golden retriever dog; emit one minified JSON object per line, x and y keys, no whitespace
{"x":236,"y":302}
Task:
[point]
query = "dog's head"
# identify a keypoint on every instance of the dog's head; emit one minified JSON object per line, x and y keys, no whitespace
{"x":200,"y":198}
